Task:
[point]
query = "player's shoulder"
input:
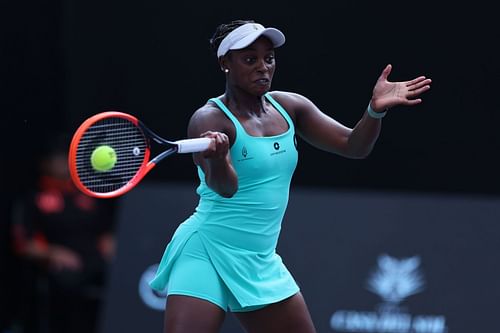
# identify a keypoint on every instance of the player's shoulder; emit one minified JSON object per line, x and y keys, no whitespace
{"x":208,"y":111}
{"x":292,"y":102}
{"x":287,"y":97}
{"x":208,"y":117}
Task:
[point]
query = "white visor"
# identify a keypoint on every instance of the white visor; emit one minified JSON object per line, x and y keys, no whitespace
{"x":246,"y":34}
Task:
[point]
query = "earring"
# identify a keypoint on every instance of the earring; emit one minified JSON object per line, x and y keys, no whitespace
{"x":226,"y":70}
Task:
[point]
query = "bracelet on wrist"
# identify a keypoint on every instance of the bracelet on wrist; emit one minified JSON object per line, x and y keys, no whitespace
{"x":374,"y":114}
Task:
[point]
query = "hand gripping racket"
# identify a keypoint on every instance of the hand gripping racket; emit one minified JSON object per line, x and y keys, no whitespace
{"x":129,"y":140}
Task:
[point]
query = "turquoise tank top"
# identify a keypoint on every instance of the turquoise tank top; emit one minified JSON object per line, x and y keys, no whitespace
{"x":241,"y":233}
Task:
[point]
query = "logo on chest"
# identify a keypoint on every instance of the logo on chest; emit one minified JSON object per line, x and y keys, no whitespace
{"x":272,"y":149}
{"x":244,"y":155}
{"x":277,"y":149}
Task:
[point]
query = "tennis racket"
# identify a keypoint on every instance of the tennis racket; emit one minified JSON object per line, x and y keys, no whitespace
{"x":130,"y":140}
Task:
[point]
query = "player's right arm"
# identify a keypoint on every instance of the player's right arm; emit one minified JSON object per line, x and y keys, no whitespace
{"x":215,"y":162}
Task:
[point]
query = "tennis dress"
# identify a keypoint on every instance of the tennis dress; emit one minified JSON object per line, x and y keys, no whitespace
{"x":240,"y":234}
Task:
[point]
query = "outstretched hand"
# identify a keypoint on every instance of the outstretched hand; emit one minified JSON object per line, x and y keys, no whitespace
{"x":388,"y":94}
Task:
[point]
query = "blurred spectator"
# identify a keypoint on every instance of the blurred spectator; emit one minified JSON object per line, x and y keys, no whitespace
{"x":66,"y":241}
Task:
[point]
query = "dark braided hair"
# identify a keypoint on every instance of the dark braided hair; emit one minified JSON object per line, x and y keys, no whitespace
{"x":223,"y":30}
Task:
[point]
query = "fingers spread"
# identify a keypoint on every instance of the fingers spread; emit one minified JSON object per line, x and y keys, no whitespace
{"x":386,"y":72}
{"x":417,"y":90}
{"x":421,"y":80}
{"x":413,"y":101}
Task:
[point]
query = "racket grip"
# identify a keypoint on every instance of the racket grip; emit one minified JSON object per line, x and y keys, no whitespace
{"x":192,"y":145}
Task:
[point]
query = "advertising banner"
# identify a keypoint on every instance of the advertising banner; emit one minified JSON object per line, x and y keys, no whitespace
{"x":366,"y":262}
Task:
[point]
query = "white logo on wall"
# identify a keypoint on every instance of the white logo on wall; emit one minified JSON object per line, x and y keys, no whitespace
{"x":150,"y":297}
{"x":393,"y":280}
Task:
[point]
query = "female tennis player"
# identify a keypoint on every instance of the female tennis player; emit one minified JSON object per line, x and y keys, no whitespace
{"x":223,"y":257}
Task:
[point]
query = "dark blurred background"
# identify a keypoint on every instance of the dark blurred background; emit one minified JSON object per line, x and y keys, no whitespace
{"x":63,"y":61}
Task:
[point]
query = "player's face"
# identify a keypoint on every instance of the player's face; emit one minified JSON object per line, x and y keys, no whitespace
{"x":252,"y":68}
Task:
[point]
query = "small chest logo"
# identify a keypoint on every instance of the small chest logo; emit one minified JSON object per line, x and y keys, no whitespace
{"x":244,"y":154}
{"x":277,"y":149}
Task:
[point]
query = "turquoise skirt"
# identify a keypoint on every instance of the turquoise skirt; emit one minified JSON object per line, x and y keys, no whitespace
{"x":252,"y":278}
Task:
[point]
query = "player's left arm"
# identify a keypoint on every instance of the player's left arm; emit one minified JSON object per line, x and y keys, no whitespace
{"x":326,"y":133}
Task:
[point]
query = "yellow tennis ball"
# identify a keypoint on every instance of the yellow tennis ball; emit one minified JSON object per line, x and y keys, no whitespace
{"x":103,"y":158}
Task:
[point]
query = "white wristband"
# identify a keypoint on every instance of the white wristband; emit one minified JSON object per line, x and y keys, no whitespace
{"x":373,"y":114}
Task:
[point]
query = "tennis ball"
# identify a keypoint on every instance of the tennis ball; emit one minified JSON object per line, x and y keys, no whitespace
{"x":103,"y":158}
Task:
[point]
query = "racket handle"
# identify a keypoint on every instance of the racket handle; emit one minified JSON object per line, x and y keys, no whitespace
{"x":192,"y":145}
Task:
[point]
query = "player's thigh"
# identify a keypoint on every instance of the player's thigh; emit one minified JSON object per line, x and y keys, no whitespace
{"x":186,"y":314}
{"x":197,"y":296}
{"x":288,"y":316}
